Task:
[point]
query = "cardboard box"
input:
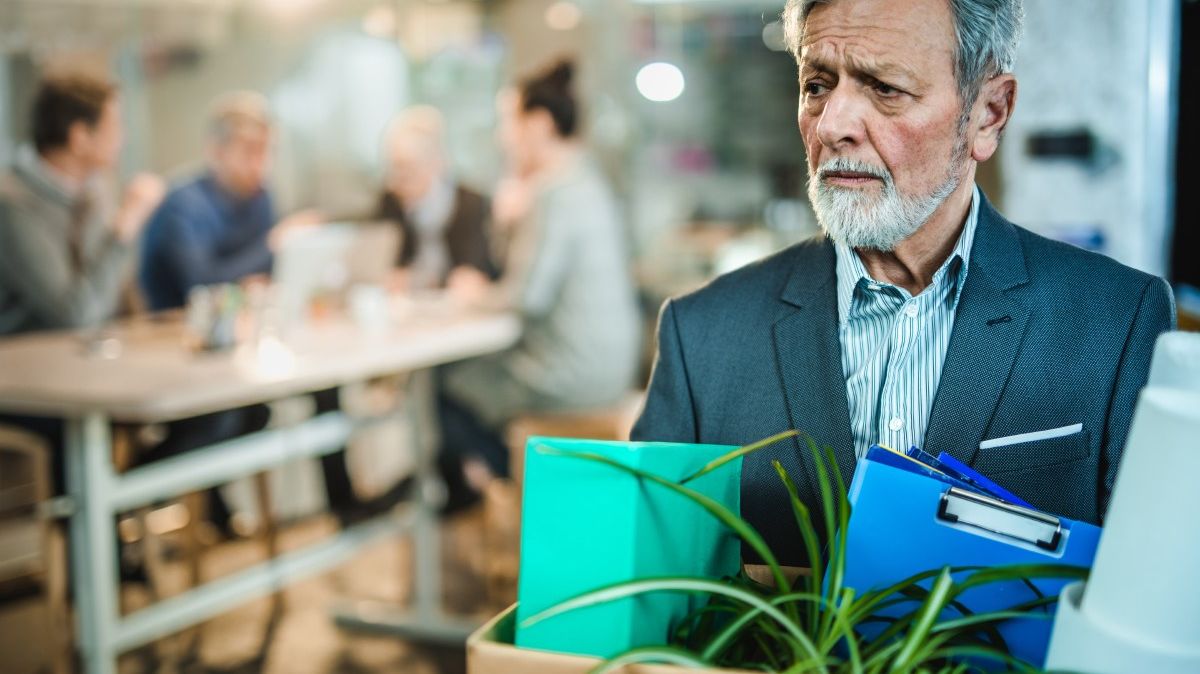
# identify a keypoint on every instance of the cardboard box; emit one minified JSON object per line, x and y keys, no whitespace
{"x":490,"y":650}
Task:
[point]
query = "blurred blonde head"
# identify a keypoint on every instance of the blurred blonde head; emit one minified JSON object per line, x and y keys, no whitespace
{"x":239,"y":141}
{"x":415,"y":145}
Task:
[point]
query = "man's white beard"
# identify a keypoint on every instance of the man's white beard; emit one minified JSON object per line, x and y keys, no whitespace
{"x":862,"y":220}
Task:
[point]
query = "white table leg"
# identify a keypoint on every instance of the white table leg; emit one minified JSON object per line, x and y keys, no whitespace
{"x":93,"y":540}
{"x":425,"y":619}
{"x":431,"y":493}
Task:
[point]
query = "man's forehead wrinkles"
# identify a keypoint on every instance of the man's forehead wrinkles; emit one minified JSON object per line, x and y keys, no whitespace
{"x":857,"y":29}
{"x":833,"y":44}
{"x":855,"y":59}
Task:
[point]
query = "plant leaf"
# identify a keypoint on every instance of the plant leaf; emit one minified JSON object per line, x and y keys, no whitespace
{"x":872,"y":601}
{"x":808,"y":534}
{"x":984,"y":618}
{"x":928,"y":614}
{"x":837,"y":563}
{"x":1022,"y":572}
{"x":688,"y":585}
{"x":718,"y":643}
{"x":851,"y":637}
{"x":737,"y":453}
{"x":987,"y":653}
{"x":838,"y":537}
{"x":648,"y":654}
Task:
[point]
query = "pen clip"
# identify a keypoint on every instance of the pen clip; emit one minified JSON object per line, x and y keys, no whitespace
{"x":959,"y":506}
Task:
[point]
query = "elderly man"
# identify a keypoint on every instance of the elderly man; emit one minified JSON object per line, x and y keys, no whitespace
{"x":443,"y":225}
{"x":922,"y":317}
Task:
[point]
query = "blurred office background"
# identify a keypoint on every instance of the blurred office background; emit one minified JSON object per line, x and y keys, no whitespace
{"x":689,"y":106}
{"x":1090,"y":156}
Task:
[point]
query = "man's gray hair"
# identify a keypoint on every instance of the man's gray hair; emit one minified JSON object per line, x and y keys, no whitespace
{"x":234,"y":110}
{"x":988,"y":33}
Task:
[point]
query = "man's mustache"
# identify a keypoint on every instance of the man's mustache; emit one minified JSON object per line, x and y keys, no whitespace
{"x":845,"y":167}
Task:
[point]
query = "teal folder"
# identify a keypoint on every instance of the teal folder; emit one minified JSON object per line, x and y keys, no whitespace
{"x":586,"y":525}
{"x":905,"y":521}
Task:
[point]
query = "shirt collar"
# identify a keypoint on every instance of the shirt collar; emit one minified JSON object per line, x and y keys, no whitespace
{"x":852,"y":273}
{"x":40,"y":173}
{"x":431,"y":213}
{"x":225,"y":201}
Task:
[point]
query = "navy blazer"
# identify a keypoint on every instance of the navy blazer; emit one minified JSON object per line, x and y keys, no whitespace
{"x":1046,"y":335}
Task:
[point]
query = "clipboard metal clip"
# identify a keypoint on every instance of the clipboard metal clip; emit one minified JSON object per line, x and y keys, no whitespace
{"x":959,"y":506}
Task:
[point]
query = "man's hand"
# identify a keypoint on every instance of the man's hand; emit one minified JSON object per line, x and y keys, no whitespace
{"x":468,"y":285}
{"x":255,"y":283}
{"x":399,"y":281}
{"x":511,"y":202}
{"x":288,"y":227}
{"x":142,"y":195}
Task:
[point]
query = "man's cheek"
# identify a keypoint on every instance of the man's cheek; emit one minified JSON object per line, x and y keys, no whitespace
{"x":908,"y":152}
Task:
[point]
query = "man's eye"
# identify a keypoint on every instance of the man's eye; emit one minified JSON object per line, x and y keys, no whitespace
{"x":814,"y":88}
{"x":884,"y":89}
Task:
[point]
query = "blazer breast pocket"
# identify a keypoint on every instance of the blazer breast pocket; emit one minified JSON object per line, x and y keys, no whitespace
{"x":1031,"y":454}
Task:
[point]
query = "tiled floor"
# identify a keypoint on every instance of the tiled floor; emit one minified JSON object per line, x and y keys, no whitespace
{"x":304,"y":639}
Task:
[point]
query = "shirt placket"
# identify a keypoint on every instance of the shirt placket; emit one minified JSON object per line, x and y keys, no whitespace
{"x":898,"y":407}
{"x":873,"y":304}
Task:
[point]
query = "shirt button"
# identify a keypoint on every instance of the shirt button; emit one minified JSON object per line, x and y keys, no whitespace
{"x":896,"y":423}
{"x":911,"y":310}
{"x":873,"y":286}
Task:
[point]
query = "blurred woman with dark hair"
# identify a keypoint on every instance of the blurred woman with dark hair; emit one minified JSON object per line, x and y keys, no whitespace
{"x":566,"y":273}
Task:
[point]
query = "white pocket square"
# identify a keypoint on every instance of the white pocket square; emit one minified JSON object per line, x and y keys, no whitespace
{"x":1030,"y":437}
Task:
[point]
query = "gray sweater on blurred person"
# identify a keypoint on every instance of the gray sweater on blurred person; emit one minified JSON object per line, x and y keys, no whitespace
{"x":60,"y":264}
{"x":568,"y":276}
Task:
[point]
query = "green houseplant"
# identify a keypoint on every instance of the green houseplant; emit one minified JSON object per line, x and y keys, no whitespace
{"x":814,"y":623}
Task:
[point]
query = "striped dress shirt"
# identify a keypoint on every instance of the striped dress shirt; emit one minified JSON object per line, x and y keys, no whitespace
{"x":894,"y":344}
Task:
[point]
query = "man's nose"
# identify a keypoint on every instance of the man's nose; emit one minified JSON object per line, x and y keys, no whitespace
{"x":841,"y":124}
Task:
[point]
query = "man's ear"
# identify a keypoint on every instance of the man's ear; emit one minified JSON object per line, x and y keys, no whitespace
{"x":992,"y":110}
{"x":79,"y":134}
{"x":212,"y":152}
{"x":542,"y":122}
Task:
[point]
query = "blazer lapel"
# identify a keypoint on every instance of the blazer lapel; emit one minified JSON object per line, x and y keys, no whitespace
{"x":809,"y":357}
{"x":988,"y":331}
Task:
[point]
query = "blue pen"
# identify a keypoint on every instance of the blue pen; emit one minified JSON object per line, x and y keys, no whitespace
{"x":959,"y":470}
{"x":971,"y":475}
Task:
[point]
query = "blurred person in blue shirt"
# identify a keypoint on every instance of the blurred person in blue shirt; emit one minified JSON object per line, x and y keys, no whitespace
{"x":220,"y":227}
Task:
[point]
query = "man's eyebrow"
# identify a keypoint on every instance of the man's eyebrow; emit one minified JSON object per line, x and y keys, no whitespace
{"x":858,"y":67}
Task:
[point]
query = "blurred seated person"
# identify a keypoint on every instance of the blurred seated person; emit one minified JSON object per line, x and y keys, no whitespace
{"x":443,"y":225}
{"x":65,"y":251}
{"x":566,"y":274}
{"x":220,"y":227}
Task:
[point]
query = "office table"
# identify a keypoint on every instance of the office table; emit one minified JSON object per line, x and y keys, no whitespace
{"x":142,"y":372}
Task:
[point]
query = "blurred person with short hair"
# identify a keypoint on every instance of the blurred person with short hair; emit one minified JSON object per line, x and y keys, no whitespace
{"x":65,"y":250}
{"x":443,"y":224}
{"x":567,"y":274}
{"x":220,"y":227}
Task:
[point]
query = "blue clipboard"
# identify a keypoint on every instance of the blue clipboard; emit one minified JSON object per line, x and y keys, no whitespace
{"x":904,"y":521}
